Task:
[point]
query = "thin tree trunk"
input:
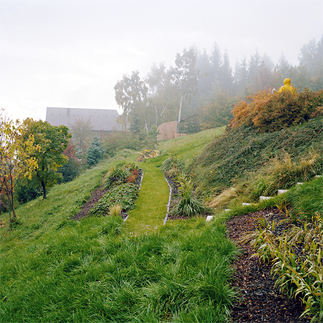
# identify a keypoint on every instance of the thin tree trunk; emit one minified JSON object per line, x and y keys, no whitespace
{"x":44,"y":189}
{"x":180,"y":109}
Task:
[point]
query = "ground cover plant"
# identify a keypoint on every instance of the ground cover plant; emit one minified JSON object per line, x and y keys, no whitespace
{"x":123,"y":195}
{"x":230,"y":158}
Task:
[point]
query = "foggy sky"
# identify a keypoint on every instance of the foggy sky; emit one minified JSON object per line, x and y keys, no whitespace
{"x":71,"y":53}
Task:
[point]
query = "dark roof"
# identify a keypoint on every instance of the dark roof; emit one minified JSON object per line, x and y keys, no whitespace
{"x":101,"y":119}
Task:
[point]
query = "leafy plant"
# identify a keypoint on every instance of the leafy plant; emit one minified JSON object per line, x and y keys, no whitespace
{"x":124,"y":195}
{"x":297,"y":257}
{"x":122,"y":173}
{"x":188,"y":204}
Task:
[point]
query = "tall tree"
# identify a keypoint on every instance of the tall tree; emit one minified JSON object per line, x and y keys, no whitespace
{"x":311,"y":57}
{"x":284,"y":66}
{"x":253,"y":69}
{"x":16,"y":160}
{"x":205,"y":78}
{"x":241,"y":75}
{"x":131,"y":95}
{"x":161,"y":94}
{"x":225,"y":74}
{"x":52,"y":140}
{"x":185,"y":77}
{"x":216,"y":62}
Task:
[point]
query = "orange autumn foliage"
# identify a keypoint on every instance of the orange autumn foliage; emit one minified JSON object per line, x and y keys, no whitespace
{"x":269,"y":112}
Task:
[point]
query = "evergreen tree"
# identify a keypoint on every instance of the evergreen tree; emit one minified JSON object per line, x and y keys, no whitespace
{"x":216,"y":62}
{"x":253,"y":70}
{"x":94,"y":152}
{"x":225,"y":74}
{"x":241,"y":75}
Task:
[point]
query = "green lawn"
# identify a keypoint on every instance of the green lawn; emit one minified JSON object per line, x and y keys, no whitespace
{"x":150,"y":208}
{"x":189,"y":146}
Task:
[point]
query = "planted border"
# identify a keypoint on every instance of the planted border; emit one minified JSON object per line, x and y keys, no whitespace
{"x":123,"y":183}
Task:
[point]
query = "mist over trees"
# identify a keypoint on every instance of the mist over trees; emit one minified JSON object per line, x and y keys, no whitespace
{"x":200,"y":90}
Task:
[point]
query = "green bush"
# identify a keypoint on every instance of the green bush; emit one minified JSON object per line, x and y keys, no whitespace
{"x":70,"y":170}
{"x":188,"y":205}
{"x":283,"y":174}
{"x":27,"y":190}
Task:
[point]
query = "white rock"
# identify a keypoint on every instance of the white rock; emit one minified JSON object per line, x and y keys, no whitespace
{"x":209,"y":217}
{"x":227,"y":210}
{"x":281,"y":192}
{"x":262,"y":198}
{"x":299,"y":183}
{"x":246,"y":204}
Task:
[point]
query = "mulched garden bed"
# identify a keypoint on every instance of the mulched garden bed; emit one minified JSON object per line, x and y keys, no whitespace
{"x":259,"y":300}
{"x":174,"y":199}
{"x":96,"y":196}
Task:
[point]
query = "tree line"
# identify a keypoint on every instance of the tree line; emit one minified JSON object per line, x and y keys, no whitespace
{"x":200,"y":90}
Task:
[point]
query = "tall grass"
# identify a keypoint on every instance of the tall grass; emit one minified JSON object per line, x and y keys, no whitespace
{"x":89,"y":271}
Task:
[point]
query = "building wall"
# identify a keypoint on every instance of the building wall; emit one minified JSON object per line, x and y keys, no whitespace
{"x":168,"y":130}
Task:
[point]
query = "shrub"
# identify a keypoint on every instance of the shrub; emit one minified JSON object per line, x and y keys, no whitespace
{"x":271,"y":112}
{"x":283,"y":173}
{"x":172,"y":166}
{"x":70,"y":170}
{"x":27,"y":190}
{"x":94,"y":152}
{"x":188,"y":204}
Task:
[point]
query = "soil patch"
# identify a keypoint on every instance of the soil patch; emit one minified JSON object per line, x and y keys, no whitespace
{"x":259,"y":300}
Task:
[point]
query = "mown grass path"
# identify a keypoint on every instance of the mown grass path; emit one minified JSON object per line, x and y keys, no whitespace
{"x":151,"y":208}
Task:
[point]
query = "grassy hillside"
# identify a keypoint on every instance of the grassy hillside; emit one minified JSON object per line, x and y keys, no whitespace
{"x":54,"y":269}
{"x":190,"y":146}
{"x":241,"y":156}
